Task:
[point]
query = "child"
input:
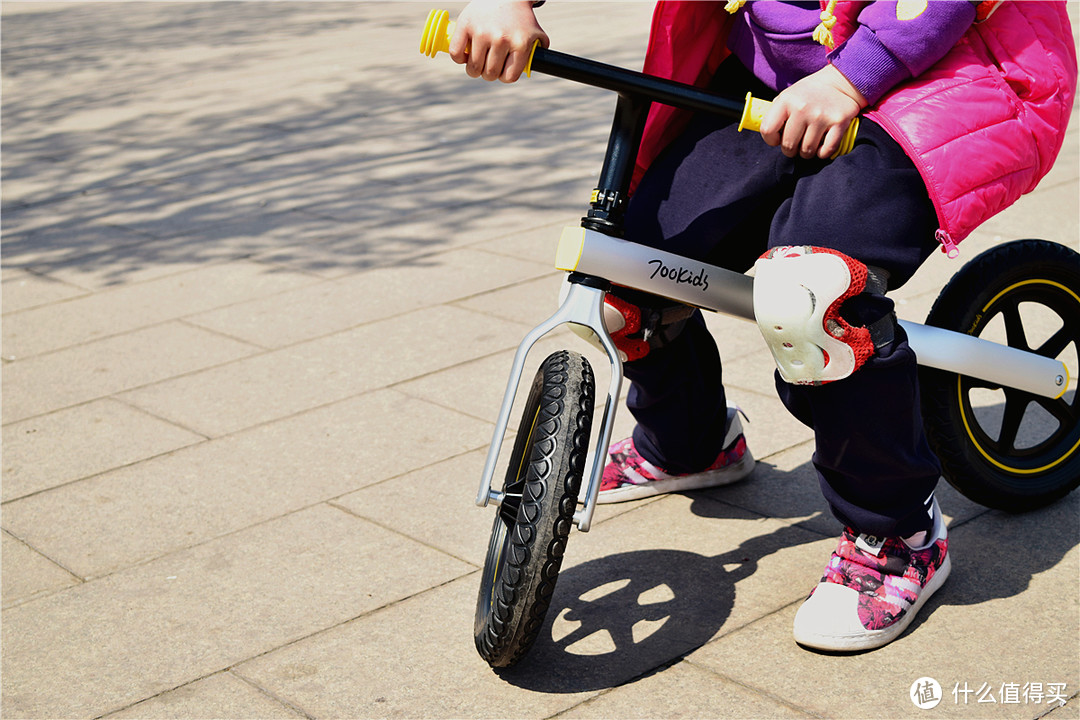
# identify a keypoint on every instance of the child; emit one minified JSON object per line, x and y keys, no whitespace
{"x":968,"y":101}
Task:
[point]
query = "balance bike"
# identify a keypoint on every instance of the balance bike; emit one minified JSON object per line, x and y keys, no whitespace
{"x":1023,"y":454}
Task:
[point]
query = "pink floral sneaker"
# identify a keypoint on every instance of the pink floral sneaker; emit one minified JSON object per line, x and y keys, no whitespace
{"x":629,"y":476}
{"x":872,"y":590}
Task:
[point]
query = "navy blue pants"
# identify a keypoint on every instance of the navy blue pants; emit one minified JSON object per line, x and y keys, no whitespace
{"x":724,"y":197}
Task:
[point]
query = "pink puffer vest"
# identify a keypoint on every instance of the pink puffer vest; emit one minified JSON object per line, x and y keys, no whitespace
{"x":983,"y":125}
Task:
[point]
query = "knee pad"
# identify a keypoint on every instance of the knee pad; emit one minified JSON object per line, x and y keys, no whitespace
{"x":636,"y":329}
{"x":798,"y":292}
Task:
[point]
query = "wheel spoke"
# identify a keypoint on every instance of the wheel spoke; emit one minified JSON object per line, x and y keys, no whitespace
{"x":1016,"y":404}
{"x":1057,"y":342}
{"x":1014,"y":327}
{"x":1060,"y":410}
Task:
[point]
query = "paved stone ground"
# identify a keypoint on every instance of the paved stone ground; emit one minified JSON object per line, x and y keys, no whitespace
{"x":263,"y":270}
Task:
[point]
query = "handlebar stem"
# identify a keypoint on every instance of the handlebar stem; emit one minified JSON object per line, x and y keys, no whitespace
{"x":613,"y":188}
{"x":637,"y":92}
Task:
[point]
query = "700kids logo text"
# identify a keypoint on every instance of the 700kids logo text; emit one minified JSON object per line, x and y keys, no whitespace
{"x":680,"y":275}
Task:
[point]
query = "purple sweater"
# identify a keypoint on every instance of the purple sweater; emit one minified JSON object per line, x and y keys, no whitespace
{"x":775,"y":40}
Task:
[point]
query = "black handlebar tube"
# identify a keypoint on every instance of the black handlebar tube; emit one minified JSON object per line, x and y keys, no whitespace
{"x":630,"y":82}
{"x":637,"y":91}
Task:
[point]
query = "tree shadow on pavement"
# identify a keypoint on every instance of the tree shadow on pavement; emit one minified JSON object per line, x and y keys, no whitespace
{"x":179,"y":139}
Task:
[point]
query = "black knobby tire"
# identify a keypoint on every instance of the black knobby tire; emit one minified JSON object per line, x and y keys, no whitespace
{"x":1001,"y":447}
{"x":529,"y":535}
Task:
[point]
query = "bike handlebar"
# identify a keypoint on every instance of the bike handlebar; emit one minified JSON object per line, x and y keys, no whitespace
{"x":439,"y":29}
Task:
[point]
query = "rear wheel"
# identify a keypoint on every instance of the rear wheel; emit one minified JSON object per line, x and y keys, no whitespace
{"x":1001,"y":447}
{"x":529,"y":535}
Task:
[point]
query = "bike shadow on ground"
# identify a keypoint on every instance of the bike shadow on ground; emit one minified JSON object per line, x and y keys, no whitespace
{"x":623,"y":616}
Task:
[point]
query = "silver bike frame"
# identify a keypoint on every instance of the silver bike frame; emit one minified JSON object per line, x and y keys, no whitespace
{"x":713,"y":288}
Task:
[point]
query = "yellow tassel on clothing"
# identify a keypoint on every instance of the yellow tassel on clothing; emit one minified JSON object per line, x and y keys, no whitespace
{"x":733,"y":6}
{"x":823,"y":32}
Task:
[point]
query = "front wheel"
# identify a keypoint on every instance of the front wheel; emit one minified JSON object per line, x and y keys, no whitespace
{"x":999,"y":446}
{"x":529,"y":536}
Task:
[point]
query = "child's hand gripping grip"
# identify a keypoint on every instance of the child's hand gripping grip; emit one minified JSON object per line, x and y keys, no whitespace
{"x":437,"y":33}
{"x":756,"y":108}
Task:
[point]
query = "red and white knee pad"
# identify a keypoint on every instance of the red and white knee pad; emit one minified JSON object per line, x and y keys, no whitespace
{"x":798,"y":291}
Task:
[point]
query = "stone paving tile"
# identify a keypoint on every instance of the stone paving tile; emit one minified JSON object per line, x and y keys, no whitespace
{"x":193,"y":613}
{"x":537,"y":244}
{"x":335,"y":248}
{"x":306,"y":243}
{"x":754,"y":371}
{"x":1070,"y":711}
{"x":735,"y":337}
{"x":218,"y":696}
{"x":529,"y":302}
{"x":329,"y":307}
{"x":768,"y":427}
{"x":98,"y":257}
{"x":23,"y":290}
{"x":189,"y":44}
{"x":218,"y":487}
{"x":352,"y":247}
{"x":39,"y":236}
{"x":1019,"y":222}
{"x":1006,"y":569}
{"x":915,"y":308}
{"x":120,"y":310}
{"x":344,"y":672}
{"x":467,"y":222}
{"x":685,"y":582}
{"x":389,"y":175}
{"x":151,"y":259}
{"x":67,"y":445}
{"x":476,"y":387}
{"x":442,"y":502}
{"x":277,"y":384}
{"x":362,"y":166}
{"x":27,"y":573}
{"x":94,"y":370}
{"x":454,"y":524}
{"x":124,"y":213}
{"x":699,"y":693}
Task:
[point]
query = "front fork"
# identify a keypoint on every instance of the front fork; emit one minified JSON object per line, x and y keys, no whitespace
{"x":584,"y":305}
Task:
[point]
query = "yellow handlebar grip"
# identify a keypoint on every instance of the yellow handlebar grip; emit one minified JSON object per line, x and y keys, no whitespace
{"x":437,"y":33}
{"x":755,"y":110}
{"x":753,"y":113}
